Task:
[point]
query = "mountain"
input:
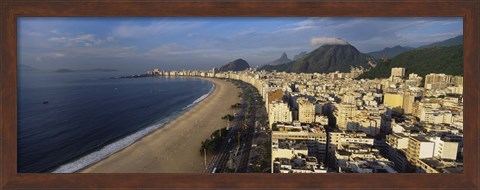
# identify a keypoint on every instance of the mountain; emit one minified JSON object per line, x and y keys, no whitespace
{"x":283,"y":59}
{"x":390,"y":52}
{"x":237,"y":65}
{"x":448,"y":60}
{"x":299,"y":55}
{"x":325,"y":59}
{"x":449,"y":42}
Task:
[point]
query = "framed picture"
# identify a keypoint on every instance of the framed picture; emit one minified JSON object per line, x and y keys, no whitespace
{"x":373,"y":97}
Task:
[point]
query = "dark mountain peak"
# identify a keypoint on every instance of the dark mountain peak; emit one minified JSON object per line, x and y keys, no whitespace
{"x":339,"y":47}
{"x":325,"y":59}
{"x":334,"y":49}
{"x":238,"y":60}
{"x":283,"y":59}
{"x":236,"y":65}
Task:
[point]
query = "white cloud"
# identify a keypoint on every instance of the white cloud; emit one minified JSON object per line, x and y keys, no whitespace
{"x":58,"y":55}
{"x":132,"y":30}
{"x":54,"y":55}
{"x":57,"y":39}
{"x":84,"y":39}
{"x":326,"y":40}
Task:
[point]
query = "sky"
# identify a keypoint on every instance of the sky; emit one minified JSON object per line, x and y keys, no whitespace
{"x":168,"y":43}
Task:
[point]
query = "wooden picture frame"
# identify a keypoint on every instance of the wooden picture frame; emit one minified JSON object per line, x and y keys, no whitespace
{"x":11,"y":10}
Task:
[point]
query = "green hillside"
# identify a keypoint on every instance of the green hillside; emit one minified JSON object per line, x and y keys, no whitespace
{"x":448,"y":60}
{"x":448,"y":42}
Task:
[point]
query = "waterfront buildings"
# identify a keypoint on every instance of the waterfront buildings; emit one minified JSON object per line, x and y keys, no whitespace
{"x":332,"y":122}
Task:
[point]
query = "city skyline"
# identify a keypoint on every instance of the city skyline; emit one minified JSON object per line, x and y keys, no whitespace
{"x":335,"y":123}
{"x":139,"y":44}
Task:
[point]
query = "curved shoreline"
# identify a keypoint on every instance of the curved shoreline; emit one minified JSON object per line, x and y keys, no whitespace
{"x":96,"y":156}
{"x":174,"y":147}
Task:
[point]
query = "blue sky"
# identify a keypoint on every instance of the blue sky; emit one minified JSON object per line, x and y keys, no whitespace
{"x":139,"y":44}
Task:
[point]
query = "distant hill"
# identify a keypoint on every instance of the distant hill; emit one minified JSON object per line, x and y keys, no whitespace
{"x":237,"y":65}
{"x":283,"y":59}
{"x":390,"y":51}
{"x":449,"y":42}
{"x":448,"y":60}
{"x":325,"y":59}
{"x":87,"y":70}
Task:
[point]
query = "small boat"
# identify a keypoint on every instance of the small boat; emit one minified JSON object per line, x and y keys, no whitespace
{"x":45,"y":102}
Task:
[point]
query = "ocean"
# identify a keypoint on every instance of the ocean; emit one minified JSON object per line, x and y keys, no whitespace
{"x":67,"y":121}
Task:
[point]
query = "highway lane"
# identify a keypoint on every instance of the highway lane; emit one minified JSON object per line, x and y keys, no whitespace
{"x":219,"y":161}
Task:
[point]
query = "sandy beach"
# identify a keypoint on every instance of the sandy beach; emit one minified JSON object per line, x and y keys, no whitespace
{"x":174,"y":148}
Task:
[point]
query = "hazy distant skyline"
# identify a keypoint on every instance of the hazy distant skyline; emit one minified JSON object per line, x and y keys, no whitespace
{"x":138,"y":44}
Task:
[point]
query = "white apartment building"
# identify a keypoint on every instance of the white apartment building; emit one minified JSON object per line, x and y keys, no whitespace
{"x":444,"y":148}
{"x":279,"y":112}
{"x":397,"y":141}
{"x":435,"y":116}
{"x":419,"y":148}
{"x":346,"y":137}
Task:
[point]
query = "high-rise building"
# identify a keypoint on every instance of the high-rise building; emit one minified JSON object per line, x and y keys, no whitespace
{"x":445,"y":148}
{"x":279,"y":112}
{"x":407,"y":105}
{"x":398,"y":72}
{"x":457,"y":80}
{"x":343,"y":113}
{"x":419,"y":148}
{"x":306,"y":111}
{"x":437,"y":81}
{"x":274,"y":95}
{"x":413,"y":80}
{"x":434,"y":116}
{"x":394,"y":101}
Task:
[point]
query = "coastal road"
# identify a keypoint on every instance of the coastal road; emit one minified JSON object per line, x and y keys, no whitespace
{"x":248,"y":134}
{"x":218,"y":162}
{"x":229,"y":146}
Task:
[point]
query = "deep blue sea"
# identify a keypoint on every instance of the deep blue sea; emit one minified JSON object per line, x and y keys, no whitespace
{"x":90,"y":115}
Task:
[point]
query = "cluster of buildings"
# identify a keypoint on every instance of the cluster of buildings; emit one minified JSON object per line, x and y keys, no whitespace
{"x":335,"y":123}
